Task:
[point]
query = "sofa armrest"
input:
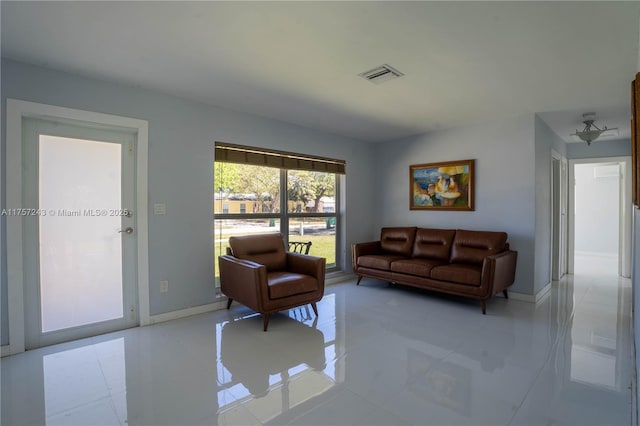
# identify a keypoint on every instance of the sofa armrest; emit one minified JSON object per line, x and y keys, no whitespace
{"x":499,"y":271}
{"x":364,"y":249}
{"x":308,"y":265}
{"x":243,"y":280}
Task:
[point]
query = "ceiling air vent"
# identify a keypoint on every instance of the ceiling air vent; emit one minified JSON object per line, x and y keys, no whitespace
{"x":381,"y":74}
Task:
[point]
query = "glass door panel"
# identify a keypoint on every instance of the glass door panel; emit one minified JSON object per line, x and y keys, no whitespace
{"x":80,"y":246}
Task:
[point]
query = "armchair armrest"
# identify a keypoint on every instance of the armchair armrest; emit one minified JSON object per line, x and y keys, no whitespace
{"x":499,"y":270}
{"x":243,"y":280}
{"x":307,"y":265}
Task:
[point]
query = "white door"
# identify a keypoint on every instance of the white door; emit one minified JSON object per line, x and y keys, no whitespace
{"x":80,"y":234}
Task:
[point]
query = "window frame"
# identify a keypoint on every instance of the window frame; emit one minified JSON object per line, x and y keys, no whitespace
{"x":283,"y":216}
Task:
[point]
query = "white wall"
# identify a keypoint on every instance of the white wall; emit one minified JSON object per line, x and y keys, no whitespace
{"x":504,"y":190}
{"x":181,"y":137}
{"x":596,"y":211}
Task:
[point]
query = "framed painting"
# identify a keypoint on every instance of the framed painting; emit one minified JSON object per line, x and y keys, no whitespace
{"x":442,"y":186}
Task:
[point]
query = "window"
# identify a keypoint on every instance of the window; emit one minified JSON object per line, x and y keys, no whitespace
{"x":264,"y":191}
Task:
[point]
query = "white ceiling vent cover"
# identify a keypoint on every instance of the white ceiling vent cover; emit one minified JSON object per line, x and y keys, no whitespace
{"x":381,"y":74}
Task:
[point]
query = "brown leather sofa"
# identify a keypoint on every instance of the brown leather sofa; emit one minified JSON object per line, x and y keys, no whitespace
{"x":262,"y":275}
{"x":475,"y":264}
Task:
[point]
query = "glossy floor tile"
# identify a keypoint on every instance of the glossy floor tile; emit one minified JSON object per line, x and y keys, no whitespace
{"x":377,"y":354}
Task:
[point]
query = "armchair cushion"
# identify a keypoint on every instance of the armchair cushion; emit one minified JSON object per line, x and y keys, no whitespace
{"x":285,"y":284}
{"x":267,"y":250}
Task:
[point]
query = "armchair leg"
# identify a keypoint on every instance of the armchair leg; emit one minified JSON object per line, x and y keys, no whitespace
{"x":483,"y":303}
{"x":265,"y":321}
{"x":315,"y":309}
{"x":359,"y":278}
{"x":229,"y":301}
{"x":506,"y":295}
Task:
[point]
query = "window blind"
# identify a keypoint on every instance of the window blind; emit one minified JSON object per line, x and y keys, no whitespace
{"x":231,"y":153}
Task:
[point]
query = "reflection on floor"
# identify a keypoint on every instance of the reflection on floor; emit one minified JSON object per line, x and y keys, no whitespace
{"x":376,"y":355}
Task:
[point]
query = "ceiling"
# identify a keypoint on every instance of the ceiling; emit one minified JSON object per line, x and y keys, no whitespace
{"x":464,"y":62}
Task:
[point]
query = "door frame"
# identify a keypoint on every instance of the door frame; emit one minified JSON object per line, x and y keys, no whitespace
{"x":16,"y":111}
{"x":558,"y":224}
{"x":625,"y":212}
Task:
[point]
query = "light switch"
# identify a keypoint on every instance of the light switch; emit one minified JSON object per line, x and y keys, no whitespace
{"x":160,"y":209}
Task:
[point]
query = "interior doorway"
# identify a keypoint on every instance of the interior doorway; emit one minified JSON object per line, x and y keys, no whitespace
{"x":600,"y":217}
{"x":79,"y":250}
{"x":24,"y":309}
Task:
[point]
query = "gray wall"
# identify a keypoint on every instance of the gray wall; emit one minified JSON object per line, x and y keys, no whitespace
{"x":181,"y":137}
{"x":616,"y":148}
{"x":504,"y":192}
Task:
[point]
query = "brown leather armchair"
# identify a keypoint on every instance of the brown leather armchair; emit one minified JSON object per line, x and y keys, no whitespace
{"x":262,"y":275}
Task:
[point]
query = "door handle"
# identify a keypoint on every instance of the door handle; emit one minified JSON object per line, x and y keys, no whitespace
{"x":127,"y":230}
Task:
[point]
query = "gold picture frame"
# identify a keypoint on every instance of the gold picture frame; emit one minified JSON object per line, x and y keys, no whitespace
{"x":442,"y":186}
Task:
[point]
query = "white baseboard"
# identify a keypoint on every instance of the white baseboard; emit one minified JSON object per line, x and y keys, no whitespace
{"x":7,"y":350}
{"x":182,"y":313}
{"x":331,"y":278}
{"x":535,"y":298}
{"x":605,"y":255}
{"x":338,"y":277}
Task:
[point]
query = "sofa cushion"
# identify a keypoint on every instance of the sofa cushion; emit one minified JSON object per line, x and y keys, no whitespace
{"x":458,"y":273}
{"x":398,"y":240}
{"x":378,"y":261}
{"x":419,"y":267}
{"x":267,"y":249}
{"x":285,"y":284}
{"x":433,"y":243}
{"x":473,"y":246}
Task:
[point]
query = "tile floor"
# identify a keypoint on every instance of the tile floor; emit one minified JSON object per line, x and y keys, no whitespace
{"x":377,"y":355}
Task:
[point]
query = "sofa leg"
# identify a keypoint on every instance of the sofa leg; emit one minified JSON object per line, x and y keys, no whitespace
{"x":265,"y":321}
{"x":506,"y":295}
{"x":359,"y":278}
{"x":483,"y":303}
{"x":315,"y":309}
{"x":229,"y":301}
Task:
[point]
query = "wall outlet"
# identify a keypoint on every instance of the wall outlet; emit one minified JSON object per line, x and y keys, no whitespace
{"x":164,"y":286}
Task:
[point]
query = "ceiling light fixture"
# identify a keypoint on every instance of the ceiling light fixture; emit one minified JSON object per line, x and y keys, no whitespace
{"x":591,"y":132}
